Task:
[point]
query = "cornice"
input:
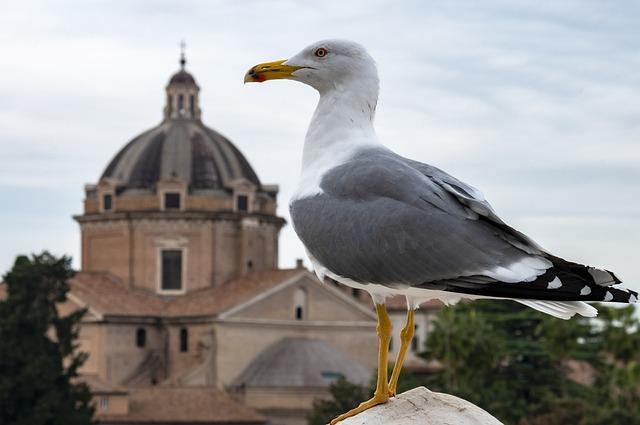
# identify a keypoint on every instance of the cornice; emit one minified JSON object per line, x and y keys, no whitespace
{"x":178,"y":215}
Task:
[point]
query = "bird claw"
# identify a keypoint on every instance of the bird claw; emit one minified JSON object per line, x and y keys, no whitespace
{"x":377,"y":399}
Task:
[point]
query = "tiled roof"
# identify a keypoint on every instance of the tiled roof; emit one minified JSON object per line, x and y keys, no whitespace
{"x":162,"y":405}
{"x":221,"y":298}
{"x":100,"y":386}
{"x":107,"y":295}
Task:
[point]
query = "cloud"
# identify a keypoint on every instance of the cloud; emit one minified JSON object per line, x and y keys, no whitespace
{"x":534,"y":103}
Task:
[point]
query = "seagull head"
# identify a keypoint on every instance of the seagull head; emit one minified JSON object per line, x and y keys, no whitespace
{"x":326,"y":65}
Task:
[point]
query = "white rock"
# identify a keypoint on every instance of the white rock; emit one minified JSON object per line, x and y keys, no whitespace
{"x":424,"y":407}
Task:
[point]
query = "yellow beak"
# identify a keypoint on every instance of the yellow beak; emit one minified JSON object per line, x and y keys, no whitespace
{"x":270,"y":71}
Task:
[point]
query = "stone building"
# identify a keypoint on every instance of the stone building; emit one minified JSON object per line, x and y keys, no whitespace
{"x":189,"y":319}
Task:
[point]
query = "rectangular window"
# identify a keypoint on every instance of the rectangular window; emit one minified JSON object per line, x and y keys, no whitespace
{"x":180,"y":102}
{"x":171,"y":201}
{"x":242,"y":203}
{"x":171,"y":270}
{"x":107,"y":202}
{"x":192,"y":104}
{"x":184,"y":340}
{"x":104,"y":403}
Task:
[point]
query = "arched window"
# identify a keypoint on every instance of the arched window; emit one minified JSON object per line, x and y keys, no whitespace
{"x":180,"y":102}
{"x":299,"y":303}
{"x":141,"y":337}
{"x":184,"y":340}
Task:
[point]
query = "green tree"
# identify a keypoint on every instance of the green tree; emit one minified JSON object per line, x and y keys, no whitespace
{"x":344,"y":397}
{"x":512,"y":361}
{"x":38,"y":357}
{"x":494,"y":356}
{"x":559,"y":412}
{"x":617,"y":386}
{"x":618,"y":333}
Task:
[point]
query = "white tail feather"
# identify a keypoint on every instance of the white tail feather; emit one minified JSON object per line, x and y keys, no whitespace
{"x":561,"y":309}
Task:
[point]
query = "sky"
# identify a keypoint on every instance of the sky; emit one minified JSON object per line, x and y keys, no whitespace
{"x":536,"y":103}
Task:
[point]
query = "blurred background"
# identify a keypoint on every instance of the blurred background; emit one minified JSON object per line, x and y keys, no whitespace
{"x":532,"y":102}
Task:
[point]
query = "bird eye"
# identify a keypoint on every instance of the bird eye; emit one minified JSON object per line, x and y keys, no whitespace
{"x":321,"y":52}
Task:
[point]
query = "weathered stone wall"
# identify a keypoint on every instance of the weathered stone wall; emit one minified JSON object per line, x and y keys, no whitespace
{"x":122,"y":357}
{"x":327,"y":317}
{"x":215,"y":250}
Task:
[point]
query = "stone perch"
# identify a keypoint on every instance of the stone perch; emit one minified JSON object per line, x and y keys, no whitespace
{"x":423,"y":407}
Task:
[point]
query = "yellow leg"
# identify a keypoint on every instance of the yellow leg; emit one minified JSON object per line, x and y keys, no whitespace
{"x":381,"y":395}
{"x":406,"y":335}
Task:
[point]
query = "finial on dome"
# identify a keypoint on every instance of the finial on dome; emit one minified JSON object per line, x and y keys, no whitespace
{"x":182,"y":93}
{"x":183,"y":60}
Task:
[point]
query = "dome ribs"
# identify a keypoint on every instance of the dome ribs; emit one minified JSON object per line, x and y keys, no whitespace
{"x":114,"y":164}
{"x":185,"y":149}
{"x":204,"y":172}
{"x":245,"y":169}
{"x":146,"y":171}
{"x":176,"y":153}
{"x":222,"y":156}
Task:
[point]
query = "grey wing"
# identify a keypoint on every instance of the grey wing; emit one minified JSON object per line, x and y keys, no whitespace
{"x":384,"y":219}
{"x":379,"y":220}
{"x":474,"y":200}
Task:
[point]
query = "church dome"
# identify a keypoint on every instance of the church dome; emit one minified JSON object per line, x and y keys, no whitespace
{"x":179,"y":208}
{"x":181,"y":147}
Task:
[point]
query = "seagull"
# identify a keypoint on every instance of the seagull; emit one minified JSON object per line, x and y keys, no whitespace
{"x":374,"y":220}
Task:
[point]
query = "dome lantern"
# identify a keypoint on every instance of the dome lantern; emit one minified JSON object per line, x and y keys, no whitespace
{"x":182,"y":94}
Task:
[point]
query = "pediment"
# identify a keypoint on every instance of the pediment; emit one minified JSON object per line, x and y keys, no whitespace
{"x":242,"y":185}
{"x":73,"y":303}
{"x":321,"y":303}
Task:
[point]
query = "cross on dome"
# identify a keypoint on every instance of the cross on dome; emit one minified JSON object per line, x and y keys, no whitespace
{"x":183,"y":59}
